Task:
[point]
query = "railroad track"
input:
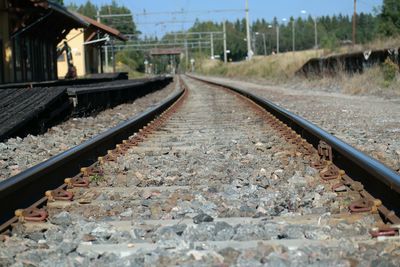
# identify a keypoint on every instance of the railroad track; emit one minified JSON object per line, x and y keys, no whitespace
{"x":214,"y":180}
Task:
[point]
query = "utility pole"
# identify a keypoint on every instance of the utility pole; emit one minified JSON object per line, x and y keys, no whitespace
{"x":249,"y":52}
{"x":100,"y":57}
{"x":225,"y":55}
{"x":254,"y":42}
{"x":212,"y":45}
{"x":316,"y":33}
{"x":293,"y":36}
{"x":315,"y":29}
{"x":113,"y":53}
{"x":106,"y":56}
{"x":354,"y":22}
{"x":277,"y":38}
{"x":199,"y":45}
{"x":186,"y":54}
{"x":265,"y":44}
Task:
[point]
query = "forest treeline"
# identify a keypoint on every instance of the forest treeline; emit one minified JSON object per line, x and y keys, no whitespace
{"x":333,"y":30}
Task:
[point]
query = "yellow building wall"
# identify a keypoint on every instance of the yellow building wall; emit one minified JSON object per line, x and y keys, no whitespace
{"x":75,"y":40}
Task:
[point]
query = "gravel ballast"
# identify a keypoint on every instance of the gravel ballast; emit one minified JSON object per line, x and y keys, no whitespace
{"x":214,"y":186}
{"x":18,"y":154}
{"x":369,"y":123}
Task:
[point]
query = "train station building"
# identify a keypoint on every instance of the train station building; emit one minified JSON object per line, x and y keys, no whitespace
{"x":29,"y":33}
{"x":32,"y":30}
{"x":87,"y":45}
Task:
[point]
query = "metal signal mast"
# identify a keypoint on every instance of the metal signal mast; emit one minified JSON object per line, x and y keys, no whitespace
{"x":354,"y":22}
{"x":249,"y":52}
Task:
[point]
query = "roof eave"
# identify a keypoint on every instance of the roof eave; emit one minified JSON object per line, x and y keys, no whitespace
{"x":62,"y":10}
{"x":102,"y":27}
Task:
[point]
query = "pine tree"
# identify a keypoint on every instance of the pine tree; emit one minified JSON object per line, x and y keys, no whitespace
{"x":123,"y":24}
{"x":88,"y":10}
{"x":390,"y":18}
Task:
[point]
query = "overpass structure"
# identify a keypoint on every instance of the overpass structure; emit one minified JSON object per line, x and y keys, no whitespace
{"x":166,"y":51}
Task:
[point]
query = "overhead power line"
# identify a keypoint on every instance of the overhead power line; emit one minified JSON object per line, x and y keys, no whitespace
{"x":193,"y":33}
{"x":174,"y":40}
{"x":165,"y":22}
{"x":183,"y":12}
{"x":182,"y":33}
{"x":163,"y":44}
{"x":155,"y":22}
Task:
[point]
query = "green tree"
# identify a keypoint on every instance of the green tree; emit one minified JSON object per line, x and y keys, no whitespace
{"x":128,"y":57}
{"x":367,"y":28}
{"x":390,"y":17}
{"x":133,"y":59}
{"x":88,"y":10}
{"x":123,"y":24}
{"x":73,"y":7}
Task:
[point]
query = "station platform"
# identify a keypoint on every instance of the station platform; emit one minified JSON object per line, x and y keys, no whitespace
{"x":32,"y":110}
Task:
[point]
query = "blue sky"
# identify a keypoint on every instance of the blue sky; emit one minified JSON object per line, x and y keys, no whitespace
{"x":266,"y":9}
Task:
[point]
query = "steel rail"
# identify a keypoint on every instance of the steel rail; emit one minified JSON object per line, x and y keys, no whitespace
{"x":379,"y":180}
{"x":24,"y":189}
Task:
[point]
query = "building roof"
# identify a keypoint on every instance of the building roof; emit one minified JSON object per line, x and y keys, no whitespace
{"x":33,"y":16}
{"x":62,"y":10}
{"x":102,"y":27}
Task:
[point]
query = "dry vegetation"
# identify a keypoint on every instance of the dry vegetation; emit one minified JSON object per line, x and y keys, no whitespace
{"x":375,"y":45}
{"x":280,"y":70}
{"x":371,"y":82}
{"x":120,"y":67}
{"x":280,"y":67}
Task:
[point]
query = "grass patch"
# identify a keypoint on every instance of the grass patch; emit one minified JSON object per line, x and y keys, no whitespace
{"x":120,"y":67}
{"x":280,"y":67}
{"x":374,"y":80}
{"x":378,"y":44}
{"x":371,"y":82}
{"x":96,"y":178}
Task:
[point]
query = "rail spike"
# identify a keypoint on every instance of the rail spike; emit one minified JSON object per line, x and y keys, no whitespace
{"x":77,"y":181}
{"x":31,"y":215}
{"x":59,"y":194}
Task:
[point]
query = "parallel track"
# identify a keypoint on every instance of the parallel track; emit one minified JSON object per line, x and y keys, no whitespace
{"x":50,"y":174}
{"x":379,"y":180}
{"x":214,"y":156}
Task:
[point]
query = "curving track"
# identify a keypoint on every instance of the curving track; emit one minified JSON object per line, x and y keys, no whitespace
{"x":215,"y":181}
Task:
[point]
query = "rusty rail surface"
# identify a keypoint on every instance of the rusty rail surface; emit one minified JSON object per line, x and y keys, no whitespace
{"x":371,"y":178}
{"x":22,"y":190}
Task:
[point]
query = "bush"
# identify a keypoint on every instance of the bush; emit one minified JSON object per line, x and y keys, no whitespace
{"x":130,"y":58}
{"x":330,"y":42}
{"x":389,"y":71}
